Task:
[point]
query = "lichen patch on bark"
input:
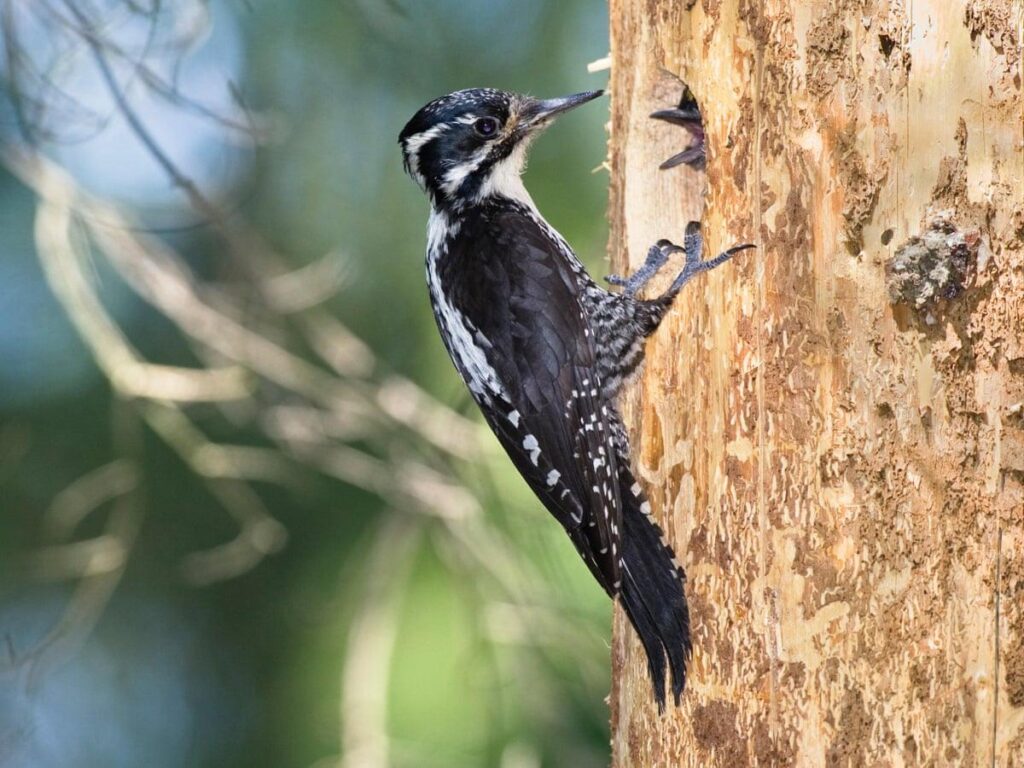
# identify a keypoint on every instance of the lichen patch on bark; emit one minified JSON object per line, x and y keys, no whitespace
{"x":933,"y":267}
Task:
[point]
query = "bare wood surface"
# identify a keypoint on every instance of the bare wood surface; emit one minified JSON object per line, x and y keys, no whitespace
{"x":843,"y":476}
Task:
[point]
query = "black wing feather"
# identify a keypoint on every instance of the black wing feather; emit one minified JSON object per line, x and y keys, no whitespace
{"x":506,"y":276}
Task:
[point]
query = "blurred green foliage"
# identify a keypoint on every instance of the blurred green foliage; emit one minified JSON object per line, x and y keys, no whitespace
{"x":248,"y":671}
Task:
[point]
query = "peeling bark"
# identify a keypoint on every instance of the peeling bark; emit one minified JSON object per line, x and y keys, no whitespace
{"x":843,"y":476}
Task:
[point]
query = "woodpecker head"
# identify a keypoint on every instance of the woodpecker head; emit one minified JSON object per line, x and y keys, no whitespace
{"x":469,"y":145}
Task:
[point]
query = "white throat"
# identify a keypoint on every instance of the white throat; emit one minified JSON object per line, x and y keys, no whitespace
{"x":506,"y":178}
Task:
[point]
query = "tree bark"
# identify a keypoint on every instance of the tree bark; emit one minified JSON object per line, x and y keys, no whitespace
{"x":831,"y":427}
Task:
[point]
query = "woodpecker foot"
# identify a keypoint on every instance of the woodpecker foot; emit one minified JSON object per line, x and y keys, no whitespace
{"x":686,"y":115}
{"x":692,"y":246}
{"x":657,"y":257}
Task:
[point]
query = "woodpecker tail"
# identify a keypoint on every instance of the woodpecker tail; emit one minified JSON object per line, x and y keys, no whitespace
{"x":652,"y":593}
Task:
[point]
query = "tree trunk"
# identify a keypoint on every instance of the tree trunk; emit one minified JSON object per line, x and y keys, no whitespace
{"x":831,"y":427}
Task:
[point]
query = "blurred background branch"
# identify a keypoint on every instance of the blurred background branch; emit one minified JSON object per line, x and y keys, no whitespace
{"x":262,"y":395}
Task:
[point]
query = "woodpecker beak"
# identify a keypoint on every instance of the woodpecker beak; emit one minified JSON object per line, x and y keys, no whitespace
{"x":537,"y":113}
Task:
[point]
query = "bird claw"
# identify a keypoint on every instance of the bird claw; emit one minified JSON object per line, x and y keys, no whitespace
{"x":657,"y":257}
{"x":693,"y":244}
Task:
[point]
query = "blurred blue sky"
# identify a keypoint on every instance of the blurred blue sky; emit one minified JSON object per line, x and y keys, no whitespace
{"x":146,"y":690}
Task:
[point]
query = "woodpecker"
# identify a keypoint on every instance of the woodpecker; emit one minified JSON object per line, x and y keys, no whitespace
{"x":544,"y":349}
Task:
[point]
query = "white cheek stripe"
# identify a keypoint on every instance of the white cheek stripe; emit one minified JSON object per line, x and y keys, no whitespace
{"x":415,"y":143}
{"x":457,"y":174}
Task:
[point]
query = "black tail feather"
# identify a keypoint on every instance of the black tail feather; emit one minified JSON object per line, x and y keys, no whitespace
{"x":645,"y":624}
{"x":652,"y":595}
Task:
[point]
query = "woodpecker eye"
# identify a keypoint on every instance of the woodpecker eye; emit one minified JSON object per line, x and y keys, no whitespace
{"x":486,"y":127}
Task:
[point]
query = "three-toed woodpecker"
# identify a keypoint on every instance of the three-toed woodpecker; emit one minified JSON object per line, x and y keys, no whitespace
{"x":544,"y":349}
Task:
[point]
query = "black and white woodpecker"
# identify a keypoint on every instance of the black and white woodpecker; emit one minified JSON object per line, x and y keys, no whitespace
{"x":544,"y":349}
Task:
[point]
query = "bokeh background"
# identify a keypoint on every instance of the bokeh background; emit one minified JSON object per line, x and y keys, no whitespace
{"x":248,"y":515}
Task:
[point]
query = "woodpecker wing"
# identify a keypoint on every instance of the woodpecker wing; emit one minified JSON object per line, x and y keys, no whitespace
{"x":514,"y":286}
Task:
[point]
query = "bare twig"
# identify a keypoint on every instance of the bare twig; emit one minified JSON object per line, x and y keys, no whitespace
{"x":62,"y":255}
{"x":88,"y":493}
